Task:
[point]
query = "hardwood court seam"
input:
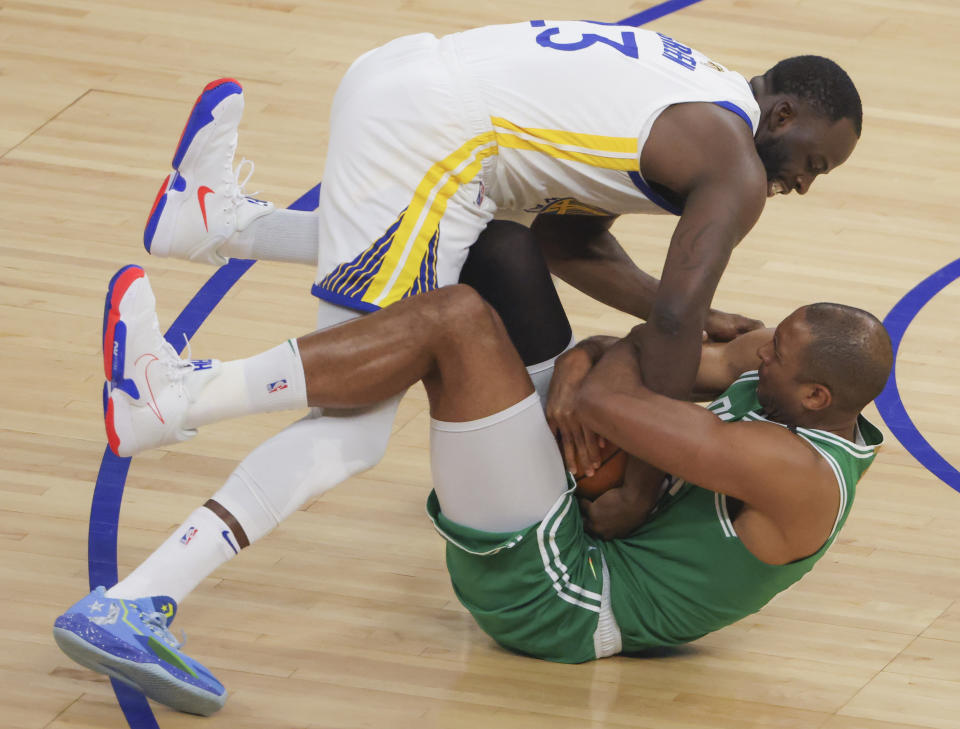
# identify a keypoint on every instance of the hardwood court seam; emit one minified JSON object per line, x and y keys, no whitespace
{"x":40,"y":128}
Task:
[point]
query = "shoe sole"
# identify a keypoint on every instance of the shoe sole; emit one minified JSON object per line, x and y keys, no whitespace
{"x":200,"y":116}
{"x":114,"y":346}
{"x":148,"y":678}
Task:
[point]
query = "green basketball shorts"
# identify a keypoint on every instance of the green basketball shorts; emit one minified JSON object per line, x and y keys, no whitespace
{"x":543,"y":591}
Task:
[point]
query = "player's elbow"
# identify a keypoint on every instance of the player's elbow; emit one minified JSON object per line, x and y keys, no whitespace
{"x":667,"y":321}
{"x":676,"y":318}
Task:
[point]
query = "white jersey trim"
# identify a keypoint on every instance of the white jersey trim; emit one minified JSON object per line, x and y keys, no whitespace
{"x":554,"y":566}
{"x":831,"y":461}
{"x":720,"y":504}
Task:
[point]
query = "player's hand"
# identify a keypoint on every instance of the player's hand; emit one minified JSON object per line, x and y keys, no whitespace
{"x":580,"y":446}
{"x":613,"y":514}
{"x":722,"y":327}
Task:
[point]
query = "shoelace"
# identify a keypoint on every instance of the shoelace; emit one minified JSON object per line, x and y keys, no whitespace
{"x":237,"y":193}
{"x":176,"y":367}
{"x":157,"y":623}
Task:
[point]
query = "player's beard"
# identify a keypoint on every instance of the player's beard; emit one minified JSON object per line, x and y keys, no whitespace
{"x":773,"y":155}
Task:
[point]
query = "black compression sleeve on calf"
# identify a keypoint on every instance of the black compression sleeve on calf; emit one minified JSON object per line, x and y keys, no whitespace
{"x":508,"y":270}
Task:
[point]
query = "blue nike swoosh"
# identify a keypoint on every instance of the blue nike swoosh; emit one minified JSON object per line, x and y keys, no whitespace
{"x":226,"y":535}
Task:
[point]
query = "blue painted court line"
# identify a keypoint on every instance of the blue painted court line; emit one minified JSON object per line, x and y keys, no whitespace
{"x":657,"y":11}
{"x":889,"y":404}
{"x":108,"y":492}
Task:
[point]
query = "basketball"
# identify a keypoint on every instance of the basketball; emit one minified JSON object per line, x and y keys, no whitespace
{"x":613,"y":463}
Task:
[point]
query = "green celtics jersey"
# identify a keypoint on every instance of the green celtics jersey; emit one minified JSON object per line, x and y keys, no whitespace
{"x":685,"y":573}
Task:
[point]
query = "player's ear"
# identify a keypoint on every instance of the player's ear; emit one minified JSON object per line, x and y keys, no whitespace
{"x":783,"y":113}
{"x":816,"y":396}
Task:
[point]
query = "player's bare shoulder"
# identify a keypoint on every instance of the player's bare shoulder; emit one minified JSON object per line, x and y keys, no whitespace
{"x":784,"y":476}
{"x":696,"y":143}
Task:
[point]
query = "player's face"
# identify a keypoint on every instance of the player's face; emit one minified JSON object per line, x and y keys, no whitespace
{"x":779,"y":389}
{"x":808,"y":146}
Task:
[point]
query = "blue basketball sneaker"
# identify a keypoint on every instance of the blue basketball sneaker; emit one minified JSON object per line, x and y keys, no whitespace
{"x":202,"y":205}
{"x":129,"y":640}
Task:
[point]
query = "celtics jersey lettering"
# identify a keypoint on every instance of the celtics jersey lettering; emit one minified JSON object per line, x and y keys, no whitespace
{"x":685,"y":573}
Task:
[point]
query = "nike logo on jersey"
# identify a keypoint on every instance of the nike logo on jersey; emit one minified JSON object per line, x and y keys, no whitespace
{"x":202,"y":193}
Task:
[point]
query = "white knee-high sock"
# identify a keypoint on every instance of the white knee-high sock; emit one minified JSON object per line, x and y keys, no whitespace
{"x":264,"y":383}
{"x":289,"y":236}
{"x":201,"y":544}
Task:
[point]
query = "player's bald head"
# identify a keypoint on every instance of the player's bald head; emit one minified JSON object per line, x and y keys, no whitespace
{"x":849,"y":351}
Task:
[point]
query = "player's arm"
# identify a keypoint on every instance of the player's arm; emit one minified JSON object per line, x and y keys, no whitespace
{"x":791,"y":488}
{"x":705,"y":155}
{"x":722,"y":362}
{"x":581,"y":250}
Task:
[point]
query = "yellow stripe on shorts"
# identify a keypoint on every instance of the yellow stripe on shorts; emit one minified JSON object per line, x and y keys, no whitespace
{"x":401,"y":264}
{"x":596,"y":150}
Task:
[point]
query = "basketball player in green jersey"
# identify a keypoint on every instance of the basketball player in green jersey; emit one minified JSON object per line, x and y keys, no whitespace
{"x":761,"y":483}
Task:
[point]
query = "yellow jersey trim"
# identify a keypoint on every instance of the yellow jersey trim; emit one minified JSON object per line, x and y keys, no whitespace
{"x":595,"y":150}
{"x":401,"y":264}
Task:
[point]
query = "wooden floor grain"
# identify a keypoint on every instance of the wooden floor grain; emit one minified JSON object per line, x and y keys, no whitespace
{"x":344,"y":617}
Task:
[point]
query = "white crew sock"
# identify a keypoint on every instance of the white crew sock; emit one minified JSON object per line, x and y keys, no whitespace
{"x":201,"y":544}
{"x":288,"y":236}
{"x":264,"y":383}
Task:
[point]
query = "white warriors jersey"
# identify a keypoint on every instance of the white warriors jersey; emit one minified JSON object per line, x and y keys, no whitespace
{"x":431,"y":138}
{"x":573,"y":102}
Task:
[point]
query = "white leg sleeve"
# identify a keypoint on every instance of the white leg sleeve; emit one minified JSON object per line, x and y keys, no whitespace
{"x":500,"y":473}
{"x":301,"y":462}
{"x":307,"y":458}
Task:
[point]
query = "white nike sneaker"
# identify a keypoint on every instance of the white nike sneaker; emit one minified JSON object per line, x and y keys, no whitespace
{"x":201,"y":205}
{"x":149,"y":387}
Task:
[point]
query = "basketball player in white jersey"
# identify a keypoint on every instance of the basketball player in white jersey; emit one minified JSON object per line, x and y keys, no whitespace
{"x":430,"y":139}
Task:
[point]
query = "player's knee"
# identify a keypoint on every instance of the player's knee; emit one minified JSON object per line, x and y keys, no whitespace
{"x":465,"y":313}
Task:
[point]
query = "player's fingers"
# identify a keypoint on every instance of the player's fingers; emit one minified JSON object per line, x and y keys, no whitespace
{"x":592,"y":447}
{"x":583,"y":457}
{"x":554,"y":425}
{"x":569,"y":452}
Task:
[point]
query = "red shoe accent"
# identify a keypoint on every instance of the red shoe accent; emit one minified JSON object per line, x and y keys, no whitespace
{"x":112,"y":438}
{"x":202,"y":193}
{"x":120,"y":287}
{"x":156,"y":200}
{"x":219,"y":82}
{"x":211,"y":85}
{"x":112,"y":318}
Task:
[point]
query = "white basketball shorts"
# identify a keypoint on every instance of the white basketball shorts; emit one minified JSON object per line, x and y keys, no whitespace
{"x":403,"y":194}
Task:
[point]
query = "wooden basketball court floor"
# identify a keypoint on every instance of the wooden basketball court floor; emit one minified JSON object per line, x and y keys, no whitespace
{"x":344,"y":617}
